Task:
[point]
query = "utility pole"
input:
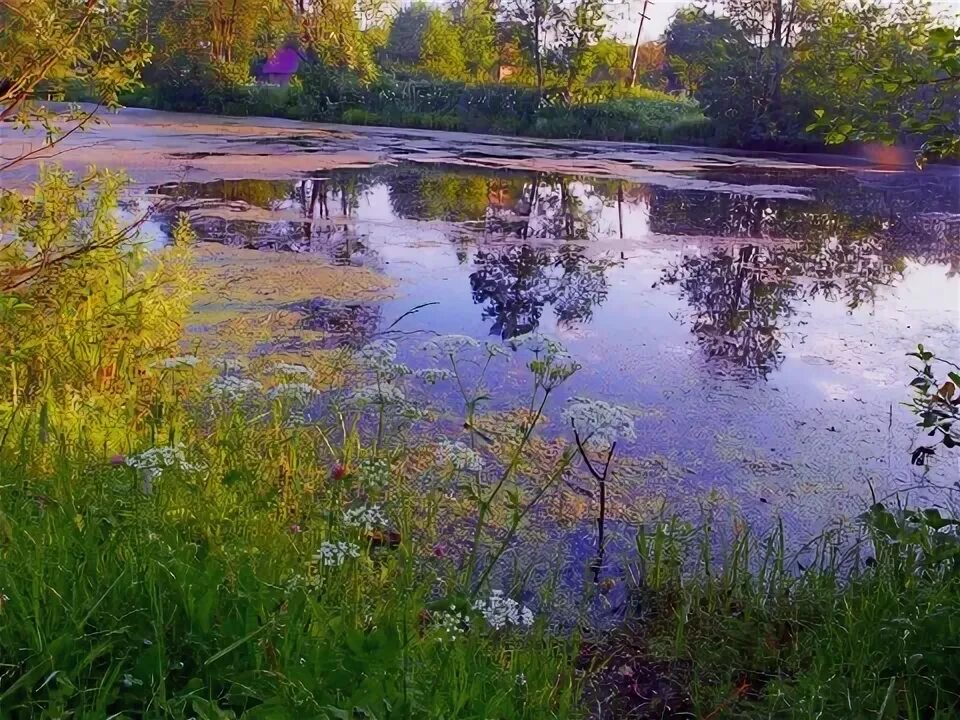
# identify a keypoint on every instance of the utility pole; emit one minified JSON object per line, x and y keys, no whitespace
{"x":636,"y":46}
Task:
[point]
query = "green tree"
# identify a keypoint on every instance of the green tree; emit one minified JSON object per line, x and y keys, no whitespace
{"x":441,"y":53}
{"x":577,"y":29}
{"x":330,"y":31}
{"x":48,"y":45}
{"x":529,"y":20}
{"x":406,"y":34}
{"x":478,"y":34}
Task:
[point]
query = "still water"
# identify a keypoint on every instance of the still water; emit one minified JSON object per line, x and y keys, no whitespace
{"x":759,"y":333}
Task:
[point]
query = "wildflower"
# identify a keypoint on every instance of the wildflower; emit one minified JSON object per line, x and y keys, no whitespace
{"x":460,"y":456}
{"x":380,"y":357}
{"x":335,"y":553}
{"x":339,"y":472}
{"x":521,"y":679}
{"x":500,"y":611}
{"x":432,"y":376}
{"x":181,"y":361}
{"x":495,"y":349}
{"x":450,"y":625}
{"x":295,"y":529}
{"x":118,"y":459}
{"x":367,"y":517}
{"x":552,"y":363}
{"x":232,"y":388}
{"x":227,"y":365}
{"x":383,"y":393}
{"x":374,"y":472}
{"x":300,"y":393}
{"x":449,"y":345}
{"x":293,"y":370}
{"x":439,"y":550}
{"x":598,"y":422}
{"x":160,"y":458}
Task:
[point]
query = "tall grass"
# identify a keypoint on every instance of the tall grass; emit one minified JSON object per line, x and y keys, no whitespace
{"x":861,"y":625}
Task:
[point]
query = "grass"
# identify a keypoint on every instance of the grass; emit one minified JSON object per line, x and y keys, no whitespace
{"x":866,"y":625}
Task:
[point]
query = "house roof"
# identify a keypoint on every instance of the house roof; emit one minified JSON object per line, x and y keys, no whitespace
{"x":284,"y":62}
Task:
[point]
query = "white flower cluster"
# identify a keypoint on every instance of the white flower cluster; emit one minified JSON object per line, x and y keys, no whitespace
{"x":374,"y":472}
{"x":181,"y":361}
{"x":501,"y":611}
{"x":460,"y":456}
{"x":160,"y":458}
{"x":552,"y":363}
{"x":447,"y":345}
{"x":335,"y":553}
{"x":383,"y":393}
{"x":432,"y":376}
{"x":598,"y":422}
{"x":367,"y":517}
{"x":495,"y":349}
{"x":301,"y":393}
{"x":380,"y":357}
{"x":227,"y":364}
{"x":293,"y":370}
{"x":451,"y":624}
{"x":232,"y":387}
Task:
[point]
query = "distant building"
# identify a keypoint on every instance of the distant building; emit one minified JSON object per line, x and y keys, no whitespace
{"x":280,"y":67}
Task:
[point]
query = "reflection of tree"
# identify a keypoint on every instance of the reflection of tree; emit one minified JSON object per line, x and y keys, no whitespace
{"x":514,"y":285}
{"x":740,"y":296}
{"x":737,"y":305}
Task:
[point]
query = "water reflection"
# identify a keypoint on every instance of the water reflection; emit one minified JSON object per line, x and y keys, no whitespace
{"x":536,"y":243}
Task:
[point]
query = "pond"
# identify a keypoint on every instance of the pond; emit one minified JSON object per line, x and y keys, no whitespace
{"x":759,"y":332}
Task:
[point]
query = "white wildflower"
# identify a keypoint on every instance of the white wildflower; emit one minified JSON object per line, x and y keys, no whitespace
{"x":521,"y":679}
{"x":227,"y":364}
{"x":500,"y":611}
{"x":598,"y":422}
{"x":432,"y":376}
{"x":450,"y":625}
{"x":380,"y":356}
{"x":160,"y":458}
{"x":335,"y":553}
{"x":301,"y":393}
{"x":292,"y":370}
{"x":367,"y":517}
{"x":383,"y":393}
{"x":181,"y":361}
{"x":496,"y":349}
{"x":532,"y":341}
{"x":460,"y":456}
{"x":231,"y":387}
{"x":447,"y":345}
{"x":373,"y":472}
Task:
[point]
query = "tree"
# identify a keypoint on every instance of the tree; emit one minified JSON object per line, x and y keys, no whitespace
{"x":440,"y":51}
{"x":478,"y":34}
{"x":47,"y":45}
{"x":899,"y":78}
{"x":406,"y":34}
{"x":529,"y":19}
{"x":577,"y":29}
{"x":330,"y":31}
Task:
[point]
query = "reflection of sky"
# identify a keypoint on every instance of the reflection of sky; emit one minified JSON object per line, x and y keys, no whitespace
{"x":811,"y":437}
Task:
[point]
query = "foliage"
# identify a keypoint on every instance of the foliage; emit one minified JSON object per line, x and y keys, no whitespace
{"x":936,"y":403}
{"x":83,"y":313}
{"x":48,"y":45}
{"x":441,"y":53}
{"x":477,"y":21}
{"x":907,"y":83}
{"x":834,"y":632}
{"x":330,"y":31}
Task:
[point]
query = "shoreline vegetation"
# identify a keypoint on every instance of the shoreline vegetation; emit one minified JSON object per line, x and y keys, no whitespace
{"x":196,"y":532}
